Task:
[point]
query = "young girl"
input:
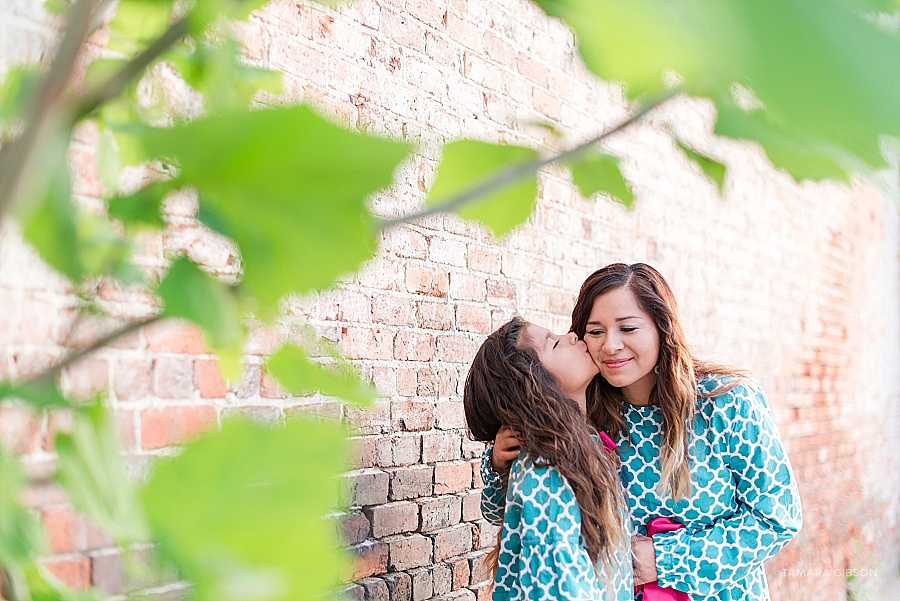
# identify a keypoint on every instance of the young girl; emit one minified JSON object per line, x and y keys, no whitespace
{"x":698,"y":445}
{"x":563,"y":535}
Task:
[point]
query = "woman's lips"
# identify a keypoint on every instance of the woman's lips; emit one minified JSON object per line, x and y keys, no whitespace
{"x":616,"y":363}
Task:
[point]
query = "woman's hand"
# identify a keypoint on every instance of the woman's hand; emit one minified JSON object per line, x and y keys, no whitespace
{"x":506,"y":448}
{"x":643,"y":557}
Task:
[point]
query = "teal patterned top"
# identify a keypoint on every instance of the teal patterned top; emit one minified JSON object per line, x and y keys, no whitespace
{"x":744,"y":504}
{"x":541,"y":553}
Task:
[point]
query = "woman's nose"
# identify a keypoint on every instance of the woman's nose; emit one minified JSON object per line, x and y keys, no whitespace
{"x":611,"y":344}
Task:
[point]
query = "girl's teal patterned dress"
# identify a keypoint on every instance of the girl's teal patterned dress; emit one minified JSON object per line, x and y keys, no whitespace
{"x":541,"y":554}
{"x":744,"y":504}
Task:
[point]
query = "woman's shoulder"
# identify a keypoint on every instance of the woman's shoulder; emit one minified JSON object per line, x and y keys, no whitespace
{"x":728,"y":395}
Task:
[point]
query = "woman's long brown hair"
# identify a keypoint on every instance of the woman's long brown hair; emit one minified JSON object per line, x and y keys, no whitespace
{"x":677,"y":370}
{"x":508,"y":385}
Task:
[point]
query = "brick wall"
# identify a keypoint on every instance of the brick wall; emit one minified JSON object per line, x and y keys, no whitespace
{"x":798,"y":282}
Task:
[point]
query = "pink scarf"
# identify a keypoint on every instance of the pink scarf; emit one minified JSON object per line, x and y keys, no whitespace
{"x":652,"y":590}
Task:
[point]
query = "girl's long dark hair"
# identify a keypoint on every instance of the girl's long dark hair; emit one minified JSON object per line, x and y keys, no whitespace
{"x":677,"y":369}
{"x":508,"y":385}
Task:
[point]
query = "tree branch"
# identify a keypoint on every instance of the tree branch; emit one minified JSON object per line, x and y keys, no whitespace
{"x":516,"y":172}
{"x":51,"y":372}
{"x":17,"y":157}
{"x":116,"y":83}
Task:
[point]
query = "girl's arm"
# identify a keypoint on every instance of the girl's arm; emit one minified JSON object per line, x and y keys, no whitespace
{"x":493,"y":495}
{"x":495,"y":462}
{"x":702,"y":560}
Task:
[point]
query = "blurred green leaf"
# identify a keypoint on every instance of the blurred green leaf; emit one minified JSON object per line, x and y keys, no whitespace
{"x":801,"y":155}
{"x":70,"y":239}
{"x":21,"y":537}
{"x":291,"y":366}
{"x":467,"y":163}
{"x":108,"y":162}
{"x":290,"y":188}
{"x":92,"y":472}
{"x":599,"y":172}
{"x":45,"y":587}
{"x":218,"y":73}
{"x":241,"y":511}
{"x":141,"y":209}
{"x":40,"y":394}
{"x":189,"y":293}
{"x":713,"y":169}
{"x":17,"y":91}
{"x":832,"y":82}
{"x":137,"y":23}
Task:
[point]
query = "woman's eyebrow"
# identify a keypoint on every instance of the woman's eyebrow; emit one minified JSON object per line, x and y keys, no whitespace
{"x":597,"y":323}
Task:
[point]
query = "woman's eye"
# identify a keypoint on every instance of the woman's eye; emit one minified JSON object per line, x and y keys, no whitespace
{"x":629,"y":329}
{"x":595,"y":333}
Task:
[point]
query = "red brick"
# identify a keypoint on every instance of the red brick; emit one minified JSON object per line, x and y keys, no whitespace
{"x":368,"y":487}
{"x":427,"y":280}
{"x":132,"y":379}
{"x":453,"y":541}
{"x":393,"y":518}
{"x":436,"y":513}
{"x":174,"y":425}
{"x":449,"y":414}
{"x":464,"y":286}
{"x":175,"y":336}
{"x":409,"y":552}
{"x":473,"y":319}
{"x":441,"y":446}
{"x":412,"y":416}
{"x":367,"y":343}
{"x":434,"y":315}
{"x":411,"y":482}
{"x":455,"y":349}
{"x":370,"y":558}
{"x":20,"y":429}
{"x":407,"y":242}
{"x":398,"y":450}
{"x":173,"y":378}
{"x":269,"y":387}
{"x":471,"y":505}
{"x":108,"y":573}
{"x":459,"y":571}
{"x":478,"y":567}
{"x":209,"y":380}
{"x":422,"y":587}
{"x":86,"y":379}
{"x":452,"y":477}
{"x":413,"y":346}
{"x":355,"y":527}
{"x":64,"y":530}
{"x":393,"y":311}
{"x":485,"y":259}
{"x":73,"y":573}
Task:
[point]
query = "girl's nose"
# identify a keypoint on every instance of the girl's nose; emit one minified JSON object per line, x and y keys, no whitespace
{"x":572,"y":338}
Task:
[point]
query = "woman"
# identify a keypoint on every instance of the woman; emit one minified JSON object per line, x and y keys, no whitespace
{"x":697,"y":443}
{"x":563,"y":514}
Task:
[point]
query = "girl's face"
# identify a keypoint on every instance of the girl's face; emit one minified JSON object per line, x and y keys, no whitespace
{"x":566,"y":358}
{"x":624,"y":343}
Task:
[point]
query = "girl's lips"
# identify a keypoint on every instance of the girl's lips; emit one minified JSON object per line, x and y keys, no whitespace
{"x":616,"y":363}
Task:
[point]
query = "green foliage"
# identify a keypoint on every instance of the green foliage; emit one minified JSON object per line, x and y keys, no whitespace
{"x":825,"y":75}
{"x":20,"y":533}
{"x":140,"y":210}
{"x":467,"y":163}
{"x":599,"y":172}
{"x":216,"y":71}
{"x":303,"y":180}
{"x":292,"y":367}
{"x":41,"y":393}
{"x":17,"y":91}
{"x":137,"y":23}
{"x":190,"y":294}
{"x":713,"y":169}
{"x":258,"y":533}
{"x":93,"y":476}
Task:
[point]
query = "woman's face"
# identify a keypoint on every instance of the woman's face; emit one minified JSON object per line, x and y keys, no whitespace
{"x":624,"y":343}
{"x":565,"y":357}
